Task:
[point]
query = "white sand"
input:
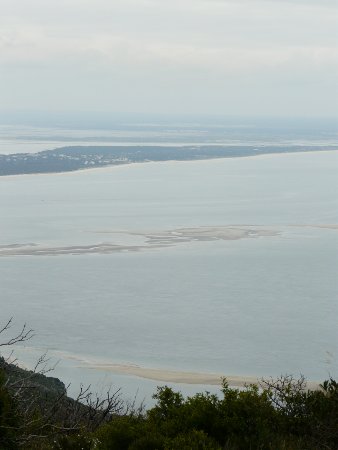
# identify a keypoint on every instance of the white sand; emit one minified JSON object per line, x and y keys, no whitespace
{"x":155,"y":374}
{"x":180,"y":377}
{"x":172,"y":376}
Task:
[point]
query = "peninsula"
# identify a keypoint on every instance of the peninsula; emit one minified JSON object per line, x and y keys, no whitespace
{"x":67,"y":159}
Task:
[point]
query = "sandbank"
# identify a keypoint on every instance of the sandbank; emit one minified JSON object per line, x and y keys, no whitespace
{"x":152,"y":240}
{"x":162,"y":375}
{"x":182,"y":377}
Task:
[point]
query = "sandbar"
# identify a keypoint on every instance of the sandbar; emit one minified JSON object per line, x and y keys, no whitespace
{"x":182,"y":377}
{"x":151,"y":240}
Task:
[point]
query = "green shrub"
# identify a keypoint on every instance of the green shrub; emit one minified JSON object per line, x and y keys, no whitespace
{"x":193,"y":440}
{"x":9,"y":419}
{"x":119,"y":433}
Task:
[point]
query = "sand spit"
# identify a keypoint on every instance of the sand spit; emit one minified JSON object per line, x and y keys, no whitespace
{"x":156,"y":374}
{"x":172,"y":376}
{"x":182,"y":377}
{"x":155,"y":240}
{"x":307,"y":150}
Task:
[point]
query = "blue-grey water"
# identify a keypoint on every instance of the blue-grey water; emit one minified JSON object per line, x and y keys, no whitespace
{"x":261,"y":305}
{"x":46,"y":132}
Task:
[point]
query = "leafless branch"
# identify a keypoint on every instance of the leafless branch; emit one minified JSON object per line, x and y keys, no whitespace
{"x":46,"y":411}
{"x":22,"y":336}
{"x":285,"y":393}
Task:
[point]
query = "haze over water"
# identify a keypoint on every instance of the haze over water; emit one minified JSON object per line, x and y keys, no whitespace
{"x":225,"y":266}
{"x":136,"y":274}
{"x":21,"y":134}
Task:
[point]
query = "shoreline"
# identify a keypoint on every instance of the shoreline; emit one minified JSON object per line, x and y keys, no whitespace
{"x":110,"y":167}
{"x":173,"y":376}
{"x":163,"y":375}
{"x":184,"y":377}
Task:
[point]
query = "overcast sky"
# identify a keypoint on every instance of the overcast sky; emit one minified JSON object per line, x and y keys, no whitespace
{"x":241,"y":57}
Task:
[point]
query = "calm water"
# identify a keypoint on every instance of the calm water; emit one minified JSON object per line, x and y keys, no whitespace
{"x":61,"y":132}
{"x":255,"y":306}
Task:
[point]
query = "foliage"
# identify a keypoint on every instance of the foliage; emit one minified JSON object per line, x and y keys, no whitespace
{"x":35,"y":411}
{"x":8,"y":416}
{"x":277,"y":414}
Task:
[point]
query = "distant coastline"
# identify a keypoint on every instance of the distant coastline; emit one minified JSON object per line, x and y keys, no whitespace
{"x":75,"y":158}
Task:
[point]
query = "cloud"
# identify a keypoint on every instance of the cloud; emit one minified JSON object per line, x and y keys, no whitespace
{"x":314,"y":3}
{"x":159,"y":43}
{"x":35,"y":44}
{"x":307,"y":3}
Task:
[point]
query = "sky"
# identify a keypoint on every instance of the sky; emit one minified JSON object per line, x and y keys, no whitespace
{"x":227,"y":57}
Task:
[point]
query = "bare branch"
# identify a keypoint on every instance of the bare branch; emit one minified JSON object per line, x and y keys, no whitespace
{"x":24,"y":334}
{"x":44,"y":407}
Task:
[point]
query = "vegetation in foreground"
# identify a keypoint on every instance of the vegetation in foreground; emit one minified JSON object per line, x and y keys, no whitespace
{"x":280,"y":414}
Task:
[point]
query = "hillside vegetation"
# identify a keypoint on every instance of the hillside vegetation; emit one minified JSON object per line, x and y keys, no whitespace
{"x":277,"y":414}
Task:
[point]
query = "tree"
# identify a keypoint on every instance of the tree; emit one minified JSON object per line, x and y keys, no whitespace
{"x":34,"y":407}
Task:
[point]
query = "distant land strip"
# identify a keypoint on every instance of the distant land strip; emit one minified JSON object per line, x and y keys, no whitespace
{"x":69,"y":159}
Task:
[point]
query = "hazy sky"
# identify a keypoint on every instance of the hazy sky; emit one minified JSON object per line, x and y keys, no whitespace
{"x":241,"y":57}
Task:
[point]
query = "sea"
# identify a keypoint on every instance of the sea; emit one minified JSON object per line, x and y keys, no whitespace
{"x":225,"y":267}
